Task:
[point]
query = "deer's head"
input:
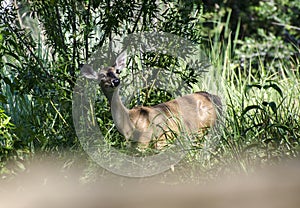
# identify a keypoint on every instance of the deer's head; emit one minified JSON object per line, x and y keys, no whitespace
{"x":107,"y":77}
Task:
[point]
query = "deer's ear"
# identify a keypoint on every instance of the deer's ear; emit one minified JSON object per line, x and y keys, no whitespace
{"x":88,"y":72}
{"x":121,"y":61}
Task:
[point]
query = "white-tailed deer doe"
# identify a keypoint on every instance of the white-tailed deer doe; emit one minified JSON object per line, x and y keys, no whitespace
{"x":190,"y":113}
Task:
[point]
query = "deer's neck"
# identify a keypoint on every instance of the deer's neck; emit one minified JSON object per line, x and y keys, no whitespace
{"x":120,"y":114}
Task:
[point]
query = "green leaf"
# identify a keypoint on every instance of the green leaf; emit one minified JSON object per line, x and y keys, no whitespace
{"x":96,"y":4}
{"x":5,"y":122}
{"x":275,"y":87}
{"x":3,"y":99}
{"x":251,"y":107}
{"x":1,"y":40}
{"x":249,"y":87}
{"x":273,"y":106}
{"x":15,"y":56}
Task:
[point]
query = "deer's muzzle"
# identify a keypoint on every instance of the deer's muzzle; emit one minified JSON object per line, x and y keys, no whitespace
{"x":115,"y":82}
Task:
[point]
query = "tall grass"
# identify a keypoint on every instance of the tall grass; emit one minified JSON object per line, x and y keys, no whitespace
{"x":260,"y":123}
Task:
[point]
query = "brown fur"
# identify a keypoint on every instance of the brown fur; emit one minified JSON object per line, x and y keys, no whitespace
{"x":189,"y":114}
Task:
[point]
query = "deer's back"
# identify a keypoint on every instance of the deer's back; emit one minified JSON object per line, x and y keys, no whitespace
{"x":194,"y":111}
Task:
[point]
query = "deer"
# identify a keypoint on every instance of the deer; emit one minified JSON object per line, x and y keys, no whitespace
{"x":190,"y":113}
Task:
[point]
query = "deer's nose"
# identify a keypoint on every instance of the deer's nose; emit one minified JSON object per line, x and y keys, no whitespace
{"x":115,"y":82}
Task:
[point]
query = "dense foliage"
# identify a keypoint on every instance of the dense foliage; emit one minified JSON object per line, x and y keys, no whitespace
{"x":253,"y":45}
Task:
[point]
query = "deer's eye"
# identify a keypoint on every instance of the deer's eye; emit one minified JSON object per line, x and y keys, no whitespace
{"x":101,"y":76}
{"x":111,"y":74}
{"x":118,"y":71}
